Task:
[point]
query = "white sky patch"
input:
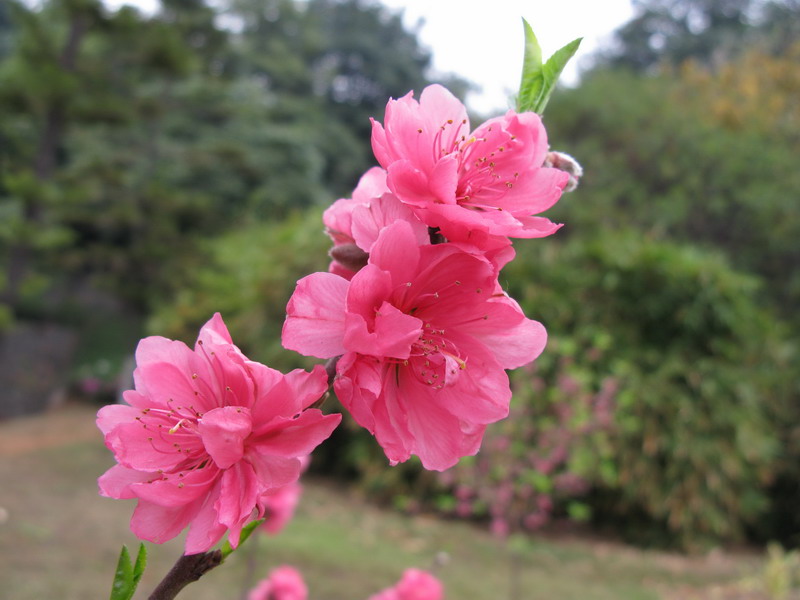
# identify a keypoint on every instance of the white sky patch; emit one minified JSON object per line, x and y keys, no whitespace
{"x":482,"y":40}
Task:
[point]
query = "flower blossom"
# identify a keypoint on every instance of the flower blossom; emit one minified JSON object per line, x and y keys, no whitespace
{"x":205,"y":435}
{"x":414,"y":585}
{"x":283,"y":583}
{"x":425,"y":335}
{"x":481,"y":187}
{"x":353,"y":224}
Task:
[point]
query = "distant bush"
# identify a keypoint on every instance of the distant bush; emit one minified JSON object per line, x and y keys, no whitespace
{"x":249,"y":276}
{"x":698,"y":363}
{"x":663,"y":155}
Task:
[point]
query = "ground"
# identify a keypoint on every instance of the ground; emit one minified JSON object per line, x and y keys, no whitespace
{"x":60,"y":539}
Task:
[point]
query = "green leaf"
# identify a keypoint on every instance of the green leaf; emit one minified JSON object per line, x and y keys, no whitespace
{"x":552,"y":70}
{"x":141,"y":563}
{"x":123,"y":587}
{"x":531,"y":83}
{"x":539,"y":80}
{"x":246,"y":531}
{"x":127,"y":576}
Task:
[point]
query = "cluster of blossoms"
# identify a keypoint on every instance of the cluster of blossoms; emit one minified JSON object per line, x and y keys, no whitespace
{"x":412,"y":303}
{"x":411,"y":311}
{"x":286,"y":583}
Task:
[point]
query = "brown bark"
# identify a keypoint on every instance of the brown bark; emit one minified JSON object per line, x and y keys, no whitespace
{"x":188,"y":569}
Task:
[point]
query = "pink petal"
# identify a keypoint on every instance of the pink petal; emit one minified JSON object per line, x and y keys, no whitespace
{"x":167,"y":384}
{"x":239,"y":493}
{"x":369,"y":220}
{"x":177,"y":489}
{"x":290,"y":395}
{"x":116,"y":482}
{"x":215,"y":332}
{"x":315,"y":316}
{"x":357,"y":386}
{"x":410,"y":184}
{"x":205,"y":530}
{"x":307,"y":388}
{"x":392,"y":335}
{"x":159,"y":524}
{"x":224,"y":431}
{"x":273,"y":471}
{"x":296,"y":437}
{"x":156,"y":349}
{"x":371,"y":185}
{"x":112,"y":415}
{"x":397,"y":252}
{"x":143,"y":449}
{"x":437,"y":435}
{"x":513,"y":339}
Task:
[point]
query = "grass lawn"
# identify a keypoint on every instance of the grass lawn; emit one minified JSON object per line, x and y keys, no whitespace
{"x":59,"y":539}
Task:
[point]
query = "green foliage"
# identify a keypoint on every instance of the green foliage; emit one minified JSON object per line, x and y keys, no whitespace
{"x":698,"y":362}
{"x":539,"y":80}
{"x":248,"y":277}
{"x":656,"y":161}
{"x":128,"y":574}
{"x":127,"y":139}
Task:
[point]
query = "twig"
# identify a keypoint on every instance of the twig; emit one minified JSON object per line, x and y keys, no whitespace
{"x":187,"y":569}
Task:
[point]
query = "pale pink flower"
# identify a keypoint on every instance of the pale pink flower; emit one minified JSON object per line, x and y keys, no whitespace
{"x":283,"y":583}
{"x":478,"y":187}
{"x":425,"y":336}
{"x":357,"y":221}
{"x":207,"y":434}
{"x":414,"y":585}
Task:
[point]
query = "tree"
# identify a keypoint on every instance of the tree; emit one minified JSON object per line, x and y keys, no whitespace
{"x":708,"y":31}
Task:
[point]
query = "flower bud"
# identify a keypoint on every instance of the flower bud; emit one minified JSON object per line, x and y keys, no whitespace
{"x":349,"y":256}
{"x":564,"y":162}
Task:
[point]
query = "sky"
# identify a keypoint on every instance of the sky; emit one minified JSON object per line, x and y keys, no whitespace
{"x":484,"y":43}
{"x":482,"y":40}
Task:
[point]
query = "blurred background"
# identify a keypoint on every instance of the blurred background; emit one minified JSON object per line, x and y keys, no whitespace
{"x":163,"y":161}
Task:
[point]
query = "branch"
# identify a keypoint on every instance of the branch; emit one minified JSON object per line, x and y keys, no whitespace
{"x":187,"y":569}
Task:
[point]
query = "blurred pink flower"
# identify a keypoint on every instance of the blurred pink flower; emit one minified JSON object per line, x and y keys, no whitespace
{"x":426,"y":335}
{"x":91,"y":385}
{"x":499,"y":527}
{"x":479,"y":187}
{"x":283,"y":583}
{"x":278,"y":507}
{"x":207,"y":434}
{"x":414,"y":585}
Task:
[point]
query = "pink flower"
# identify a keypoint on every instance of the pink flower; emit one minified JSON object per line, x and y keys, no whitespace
{"x":357,"y":221}
{"x":479,"y":187}
{"x":414,"y":585}
{"x":425,"y":336}
{"x":278,"y":507}
{"x":283,"y":583}
{"x":207,"y":433}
